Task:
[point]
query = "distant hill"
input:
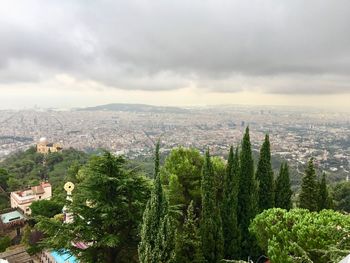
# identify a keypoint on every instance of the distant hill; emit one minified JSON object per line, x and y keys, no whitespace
{"x":134,"y":108}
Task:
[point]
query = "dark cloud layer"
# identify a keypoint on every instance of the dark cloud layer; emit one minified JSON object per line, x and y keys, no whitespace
{"x":289,"y":47}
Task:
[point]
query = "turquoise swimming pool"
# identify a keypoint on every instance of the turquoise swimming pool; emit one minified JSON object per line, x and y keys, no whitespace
{"x":63,"y":258}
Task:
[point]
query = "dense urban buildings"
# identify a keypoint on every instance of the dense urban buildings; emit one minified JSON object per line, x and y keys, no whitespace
{"x":296,"y":134}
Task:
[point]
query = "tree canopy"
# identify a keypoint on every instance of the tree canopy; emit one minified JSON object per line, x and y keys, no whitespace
{"x":107,"y":208}
{"x":46,"y":208}
{"x":302,"y":236}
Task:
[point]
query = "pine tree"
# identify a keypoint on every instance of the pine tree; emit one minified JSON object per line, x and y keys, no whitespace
{"x":324,"y":200}
{"x":156,"y":228}
{"x":188,"y":247}
{"x":283,"y":192}
{"x":247,"y":197}
{"x":309,"y":189}
{"x":264,"y":175}
{"x":211,"y":225}
{"x":229,"y":207}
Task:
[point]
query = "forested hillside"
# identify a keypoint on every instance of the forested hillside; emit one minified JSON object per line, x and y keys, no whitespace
{"x":28,"y":168}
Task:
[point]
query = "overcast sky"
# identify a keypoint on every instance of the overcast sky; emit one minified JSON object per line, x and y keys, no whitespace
{"x":66,"y":53}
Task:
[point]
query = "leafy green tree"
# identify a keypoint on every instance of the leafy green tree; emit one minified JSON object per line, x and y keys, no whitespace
{"x":46,"y":208}
{"x":283,"y":192}
{"x":302,"y":236}
{"x":309,"y":189}
{"x":28,"y":167}
{"x":341,"y":196}
{"x":324,"y":199}
{"x":4,"y":175}
{"x":5,"y":242}
{"x":188,"y":247}
{"x":211,"y":225}
{"x":157,"y":228}
{"x":175,"y":195}
{"x":14,"y":184}
{"x":229,"y":207}
{"x":4,"y":201}
{"x":107,"y":209}
{"x":181,"y":175}
{"x":247,"y":197}
{"x":264,"y":175}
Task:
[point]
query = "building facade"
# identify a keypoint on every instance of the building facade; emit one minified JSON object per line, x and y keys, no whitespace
{"x":45,"y":147}
{"x":23,"y":199}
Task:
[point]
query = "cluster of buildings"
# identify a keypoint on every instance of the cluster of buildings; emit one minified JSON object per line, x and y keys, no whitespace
{"x":296,"y":134}
{"x":14,"y":219}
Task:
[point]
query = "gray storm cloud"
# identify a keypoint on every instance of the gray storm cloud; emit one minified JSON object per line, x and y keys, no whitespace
{"x":285,"y":47}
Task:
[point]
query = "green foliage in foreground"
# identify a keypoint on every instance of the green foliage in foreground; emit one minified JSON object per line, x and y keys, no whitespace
{"x":324,"y":200}
{"x":309,"y":192}
{"x":265,"y":178}
{"x":302,"y":236}
{"x":5,"y":242}
{"x":188,"y":247}
{"x":247,"y":197}
{"x":211,"y":224}
{"x":283,"y":195}
{"x":107,"y":209}
{"x":158,"y":230}
{"x":341,"y":196}
{"x":229,"y":207}
{"x":46,"y":208}
{"x":181,"y":176}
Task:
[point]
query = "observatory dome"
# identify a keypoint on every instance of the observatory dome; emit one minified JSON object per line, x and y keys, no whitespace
{"x":43,"y":140}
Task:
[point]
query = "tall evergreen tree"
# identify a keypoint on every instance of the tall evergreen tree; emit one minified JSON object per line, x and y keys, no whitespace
{"x":283,"y":193}
{"x":229,"y":207}
{"x":188,"y":247}
{"x":165,"y":241}
{"x":110,"y":221}
{"x":264,"y":176}
{"x":247,"y":197}
{"x":156,"y":230}
{"x":309,"y":188}
{"x":211,"y":224}
{"x":324,"y":200}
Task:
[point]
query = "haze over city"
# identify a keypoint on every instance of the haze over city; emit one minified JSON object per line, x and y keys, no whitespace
{"x":174,"y":131}
{"x":68,"y":54}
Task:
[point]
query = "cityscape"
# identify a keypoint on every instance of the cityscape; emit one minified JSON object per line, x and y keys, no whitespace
{"x":296,"y":134}
{"x":174,"y":131}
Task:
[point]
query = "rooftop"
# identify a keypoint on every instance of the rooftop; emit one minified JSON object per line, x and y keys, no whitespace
{"x":11,"y":216}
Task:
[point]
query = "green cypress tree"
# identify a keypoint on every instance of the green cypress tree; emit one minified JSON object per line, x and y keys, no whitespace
{"x":264,"y":176}
{"x":165,"y":242}
{"x":154,"y":219}
{"x":229,"y":207}
{"x":324,"y":200}
{"x":308,"y":197}
{"x":188,"y":247}
{"x":247,"y":197}
{"x":211,"y":225}
{"x":283,"y":192}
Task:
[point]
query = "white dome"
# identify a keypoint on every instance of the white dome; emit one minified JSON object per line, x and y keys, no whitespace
{"x":43,"y":140}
